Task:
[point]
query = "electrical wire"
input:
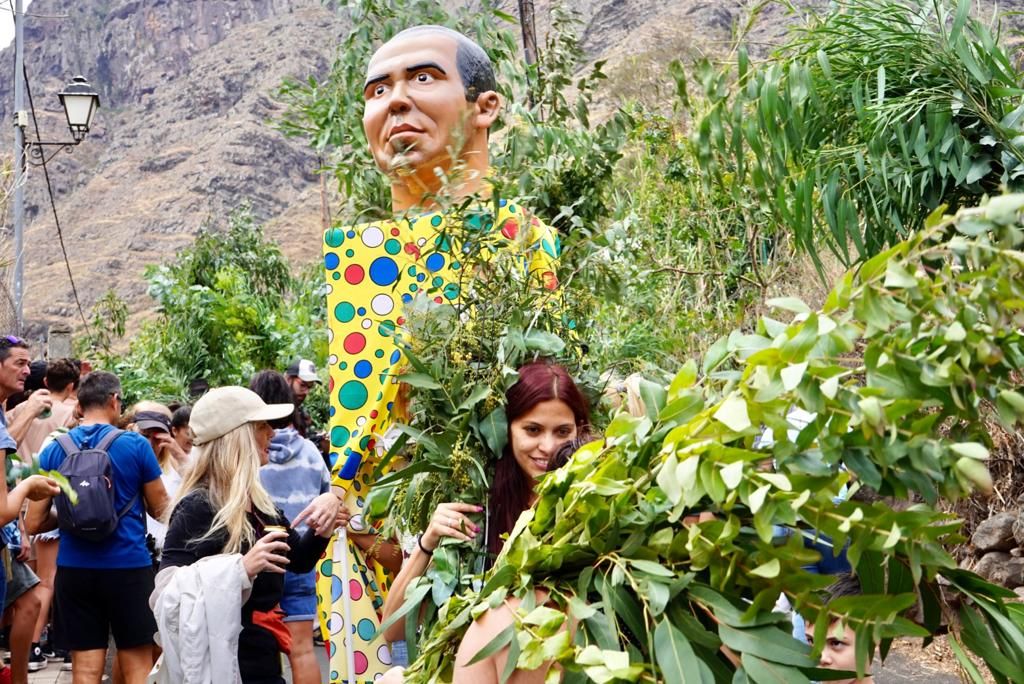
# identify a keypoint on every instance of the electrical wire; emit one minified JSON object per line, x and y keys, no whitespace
{"x":53,"y":206}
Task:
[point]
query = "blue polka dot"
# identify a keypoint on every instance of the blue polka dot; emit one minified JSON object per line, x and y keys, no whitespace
{"x":362,"y":311}
{"x":421,"y":277}
{"x":383,"y":271}
{"x":351,"y":233}
{"x":435,"y":262}
{"x":407,"y":298}
{"x":331,"y":261}
{"x":395,"y":356}
{"x":363,"y":369}
{"x":335,"y":588}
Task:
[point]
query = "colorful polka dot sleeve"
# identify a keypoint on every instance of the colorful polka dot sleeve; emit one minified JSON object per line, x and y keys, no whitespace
{"x":373,"y":270}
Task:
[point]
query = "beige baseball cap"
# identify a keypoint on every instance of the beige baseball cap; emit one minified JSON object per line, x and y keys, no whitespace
{"x":224,"y":409}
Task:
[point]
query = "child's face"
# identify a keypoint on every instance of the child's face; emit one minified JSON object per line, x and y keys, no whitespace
{"x":839,"y":652}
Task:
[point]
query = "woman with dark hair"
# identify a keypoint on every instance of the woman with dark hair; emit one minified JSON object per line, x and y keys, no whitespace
{"x":545,"y":411}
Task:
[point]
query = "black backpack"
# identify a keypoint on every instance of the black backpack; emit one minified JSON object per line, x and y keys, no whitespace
{"x":90,"y":474}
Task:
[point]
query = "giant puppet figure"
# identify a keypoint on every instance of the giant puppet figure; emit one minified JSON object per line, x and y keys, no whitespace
{"x":429,"y":102}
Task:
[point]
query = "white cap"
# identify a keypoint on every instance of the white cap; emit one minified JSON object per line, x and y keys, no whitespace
{"x":303,"y":369}
{"x":224,"y":409}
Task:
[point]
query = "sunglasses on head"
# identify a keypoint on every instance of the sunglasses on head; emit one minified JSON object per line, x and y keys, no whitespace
{"x":11,"y":341}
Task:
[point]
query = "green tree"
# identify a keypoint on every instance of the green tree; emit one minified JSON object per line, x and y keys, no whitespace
{"x":652,"y":598}
{"x":227,"y":306}
{"x":867,"y":119}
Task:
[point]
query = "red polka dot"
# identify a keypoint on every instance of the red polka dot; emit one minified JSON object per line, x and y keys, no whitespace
{"x":361,"y":662}
{"x":438,"y":300}
{"x":373,"y":413}
{"x":411,"y":248}
{"x":372,"y":443}
{"x":510,"y":229}
{"x":330,"y":384}
{"x":550,"y":280}
{"x":355,"y":343}
{"x":401,"y":320}
{"x":354,"y":274}
{"x":395,"y":231}
{"x":355,"y":590}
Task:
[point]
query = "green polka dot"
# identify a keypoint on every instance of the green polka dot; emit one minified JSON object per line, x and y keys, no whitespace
{"x":343,"y":365}
{"x":350,"y":253}
{"x":442,"y":243}
{"x":336,"y":275}
{"x":379,"y":353}
{"x":364,"y":442}
{"x":411,"y":271}
{"x":413,"y":287}
{"x":435,"y":221}
{"x":392,"y":246}
{"x":339,"y":436}
{"x":451,"y":291}
{"x":344,"y":312}
{"x":387,"y":328}
{"x":335,"y":237}
{"x":366,"y":629}
{"x":438,"y":281}
{"x":352,"y":395}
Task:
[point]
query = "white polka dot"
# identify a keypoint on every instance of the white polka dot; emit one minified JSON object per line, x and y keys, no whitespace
{"x":373,"y":237}
{"x":356,"y":523}
{"x":333,"y":359}
{"x":421,"y":241}
{"x":337,"y":623}
{"x":330,"y":334}
{"x":330,"y":288}
{"x":361,"y":421}
{"x":384,"y":655}
{"x":382,"y":304}
{"x":366,"y":323}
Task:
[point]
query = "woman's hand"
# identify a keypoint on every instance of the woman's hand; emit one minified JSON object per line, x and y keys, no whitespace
{"x":39,"y":487}
{"x":166,"y":442}
{"x":322,"y":513}
{"x":267,"y":554}
{"x":450,"y":520}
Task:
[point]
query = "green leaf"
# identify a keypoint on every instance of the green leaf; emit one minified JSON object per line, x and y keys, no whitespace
{"x":733,"y":413}
{"x":970,"y":450}
{"x":789,"y":304}
{"x":769,"y":672}
{"x":769,"y":570}
{"x":500,"y":641}
{"x":420,"y":381}
{"x":767,"y":642}
{"x":676,"y":658}
{"x":62,"y":482}
{"x":479,"y":393}
{"x":494,"y":430}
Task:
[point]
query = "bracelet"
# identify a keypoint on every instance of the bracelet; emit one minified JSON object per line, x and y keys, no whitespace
{"x":424,"y":549}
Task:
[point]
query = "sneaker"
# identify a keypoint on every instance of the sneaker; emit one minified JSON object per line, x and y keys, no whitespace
{"x":48,"y":651}
{"x":65,"y":666}
{"x":36,"y":660}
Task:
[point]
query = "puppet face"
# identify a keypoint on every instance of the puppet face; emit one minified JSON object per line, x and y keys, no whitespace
{"x":416,"y":114}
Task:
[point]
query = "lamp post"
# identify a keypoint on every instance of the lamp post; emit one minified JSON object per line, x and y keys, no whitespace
{"x":80,"y":103}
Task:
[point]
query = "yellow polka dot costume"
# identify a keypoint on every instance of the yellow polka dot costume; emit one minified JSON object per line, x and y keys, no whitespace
{"x":373,"y":270}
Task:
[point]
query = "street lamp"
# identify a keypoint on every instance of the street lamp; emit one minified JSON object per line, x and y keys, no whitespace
{"x":80,"y":102}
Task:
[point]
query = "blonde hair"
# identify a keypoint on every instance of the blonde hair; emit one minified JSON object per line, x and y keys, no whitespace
{"x":227,"y":469}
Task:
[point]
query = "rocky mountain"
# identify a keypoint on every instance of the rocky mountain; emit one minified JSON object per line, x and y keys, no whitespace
{"x":185,"y":132}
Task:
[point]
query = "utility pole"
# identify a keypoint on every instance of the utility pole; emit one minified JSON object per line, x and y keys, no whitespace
{"x":526,"y":21}
{"x":20,"y":167}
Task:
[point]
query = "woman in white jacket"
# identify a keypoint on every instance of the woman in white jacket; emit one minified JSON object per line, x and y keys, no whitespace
{"x":224,"y":519}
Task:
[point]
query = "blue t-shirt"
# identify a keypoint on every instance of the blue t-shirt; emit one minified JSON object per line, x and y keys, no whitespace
{"x":7,"y":442}
{"x":134,"y":464}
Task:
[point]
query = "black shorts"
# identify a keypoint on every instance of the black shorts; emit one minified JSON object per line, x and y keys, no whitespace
{"x":90,"y":604}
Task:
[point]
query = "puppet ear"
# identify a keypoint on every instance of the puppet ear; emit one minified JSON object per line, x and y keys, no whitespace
{"x":486,"y":109}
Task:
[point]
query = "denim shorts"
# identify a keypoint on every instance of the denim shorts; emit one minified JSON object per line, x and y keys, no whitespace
{"x":299,"y":599}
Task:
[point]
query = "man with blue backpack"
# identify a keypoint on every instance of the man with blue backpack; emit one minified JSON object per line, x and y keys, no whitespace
{"x":104,"y":570}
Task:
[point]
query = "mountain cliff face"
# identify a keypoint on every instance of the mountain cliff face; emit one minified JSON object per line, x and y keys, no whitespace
{"x":184,"y":134}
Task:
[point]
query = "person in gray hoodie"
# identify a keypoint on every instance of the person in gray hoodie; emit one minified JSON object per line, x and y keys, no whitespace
{"x":294,"y":476}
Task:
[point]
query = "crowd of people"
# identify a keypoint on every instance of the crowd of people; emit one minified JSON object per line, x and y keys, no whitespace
{"x":230,"y":477}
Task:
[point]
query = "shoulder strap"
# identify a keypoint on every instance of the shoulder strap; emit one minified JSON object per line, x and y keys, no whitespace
{"x":67,"y":444}
{"x":108,"y":439}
